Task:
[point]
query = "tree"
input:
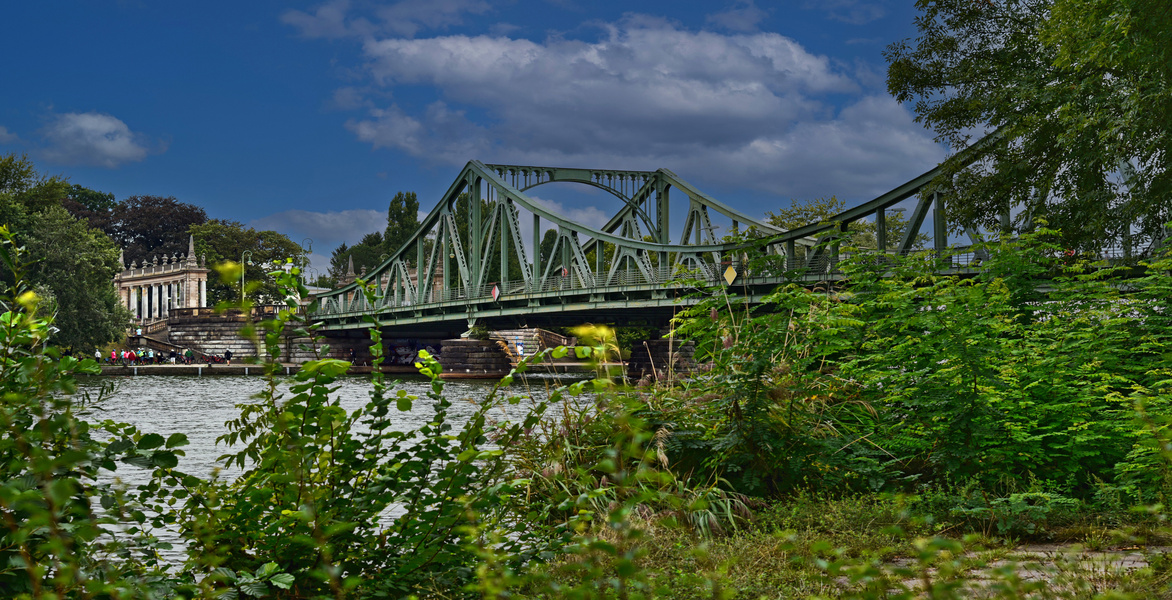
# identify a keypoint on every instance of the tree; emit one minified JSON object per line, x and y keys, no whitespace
{"x":402,"y":221}
{"x":35,"y":191}
{"x":96,"y":208}
{"x":146,"y":226}
{"x":76,"y":263}
{"x":548,"y":240}
{"x":862,"y":233}
{"x":367,"y":254}
{"x":222,"y":241}
{"x":1075,"y":89}
{"x":69,"y":263}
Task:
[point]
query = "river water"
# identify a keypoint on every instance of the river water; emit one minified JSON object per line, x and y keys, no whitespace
{"x":200,"y":406}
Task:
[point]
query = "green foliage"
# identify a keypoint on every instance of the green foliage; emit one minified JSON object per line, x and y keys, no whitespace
{"x":861,"y":233}
{"x":402,"y":221}
{"x":1076,"y":89}
{"x":318,"y":482}
{"x":366,"y":255}
{"x":375,"y":247}
{"x":222,"y":241}
{"x":149,"y":226}
{"x":896,"y":380}
{"x":76,"y":264}
{"x":71,"y":264}
{"x":55,"y":471}
{"x":22,"y":184}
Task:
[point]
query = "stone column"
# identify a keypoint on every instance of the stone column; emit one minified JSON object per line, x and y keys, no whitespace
{"x":134,"y":301}
{"x":157,"y":311}
{"x":203,"y":293}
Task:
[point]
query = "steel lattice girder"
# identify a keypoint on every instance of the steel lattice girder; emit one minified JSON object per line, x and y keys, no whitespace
{"x":506,"y":185}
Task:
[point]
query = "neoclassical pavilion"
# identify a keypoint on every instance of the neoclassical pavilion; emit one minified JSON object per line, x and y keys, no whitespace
{"x":150,"y":291}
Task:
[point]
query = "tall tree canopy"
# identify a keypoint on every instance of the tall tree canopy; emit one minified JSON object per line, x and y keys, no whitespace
{"x":862,"y":233}
{"x":94,"y":207}
{"x":367,"y":254}
{"x":77,"y":264}
{"x":1080,"y":94}
{"x":222,"y":241}
{"x":68,"y":262}
{"x":147,"y":226}
{"x":402,"y":221}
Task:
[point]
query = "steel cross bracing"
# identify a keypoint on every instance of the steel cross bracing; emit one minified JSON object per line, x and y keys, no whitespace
{"x":472,"y":242}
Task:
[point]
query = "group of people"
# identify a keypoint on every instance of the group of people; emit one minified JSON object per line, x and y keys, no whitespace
{"x":131,"y":357}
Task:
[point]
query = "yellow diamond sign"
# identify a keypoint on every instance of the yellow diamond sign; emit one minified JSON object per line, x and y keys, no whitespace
{"x":730,"y":274}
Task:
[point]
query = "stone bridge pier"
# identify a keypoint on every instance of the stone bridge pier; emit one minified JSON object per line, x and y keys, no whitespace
{"x":660,"y":360}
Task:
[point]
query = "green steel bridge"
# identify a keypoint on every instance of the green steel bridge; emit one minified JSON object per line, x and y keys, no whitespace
{"x":468,"y":263}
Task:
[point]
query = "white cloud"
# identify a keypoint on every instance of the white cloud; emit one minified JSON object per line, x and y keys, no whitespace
{"x":327,"y":21}
{"x":327,"y":229}
{"x":852,"y":12}
{"x":589,"y":216}
{"x":410,"y":16}
{"x":742,"y":16}
{"x":866,"y":149}
{"x":94,"y":139}
{"x":747,"y":110}
{"x":7,"y":137}
{"x":407,"y":18}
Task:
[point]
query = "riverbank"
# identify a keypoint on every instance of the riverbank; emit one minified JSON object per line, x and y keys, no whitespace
{"x":877,"y":546}
{"x":202,"y":369}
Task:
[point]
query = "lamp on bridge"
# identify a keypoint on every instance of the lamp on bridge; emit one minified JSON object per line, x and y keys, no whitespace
{"x":247,"y":253}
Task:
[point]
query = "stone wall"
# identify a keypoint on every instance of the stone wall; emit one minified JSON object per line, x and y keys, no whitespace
{"x":207,"y":332}
{"x":661,"y":359}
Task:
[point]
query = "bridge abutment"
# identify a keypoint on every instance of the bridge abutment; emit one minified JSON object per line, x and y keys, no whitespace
{"x":661,"y":360}
{"x":474,"y":359}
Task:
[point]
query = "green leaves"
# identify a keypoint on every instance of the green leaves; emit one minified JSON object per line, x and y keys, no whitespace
{"x":1078,"y":92}
{"x":150,"y":441}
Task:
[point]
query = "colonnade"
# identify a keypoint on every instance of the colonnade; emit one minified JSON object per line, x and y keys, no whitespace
{"x":152,"y":291}
{"x":154,"y":301}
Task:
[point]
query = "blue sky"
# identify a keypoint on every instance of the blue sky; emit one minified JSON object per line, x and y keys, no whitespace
{"x":307,"y":117}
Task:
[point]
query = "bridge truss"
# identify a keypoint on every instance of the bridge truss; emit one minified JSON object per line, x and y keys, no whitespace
{"x":468,"y":261}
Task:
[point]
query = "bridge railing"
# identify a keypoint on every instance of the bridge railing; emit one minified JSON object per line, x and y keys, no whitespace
{"x":775,"y":269}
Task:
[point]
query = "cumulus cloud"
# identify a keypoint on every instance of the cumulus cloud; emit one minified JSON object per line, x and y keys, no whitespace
{"x":406,"y":18}
{"x":743,"y":16}
{"x":748,"y":110}
{"x":587,"y":215}
{"x":7,"y":137}
{"x":327,"y":21}
{"x":853,"y":12}
{"x":866,"y":149}
{"x":93,"y":139}
{"x":327,"y":229}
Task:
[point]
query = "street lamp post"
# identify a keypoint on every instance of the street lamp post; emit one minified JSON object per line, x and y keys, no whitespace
{"x":247,"y":253}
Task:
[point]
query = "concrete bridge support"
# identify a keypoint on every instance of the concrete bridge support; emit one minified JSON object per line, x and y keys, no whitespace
{"x":660,"y":359}
{"x":474,"y":359}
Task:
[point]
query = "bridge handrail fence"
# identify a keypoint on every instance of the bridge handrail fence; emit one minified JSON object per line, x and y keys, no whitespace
{"x":955,"y":259}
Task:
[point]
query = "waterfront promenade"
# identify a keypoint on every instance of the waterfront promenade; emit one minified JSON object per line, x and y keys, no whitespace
{"x":212,"y":369}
